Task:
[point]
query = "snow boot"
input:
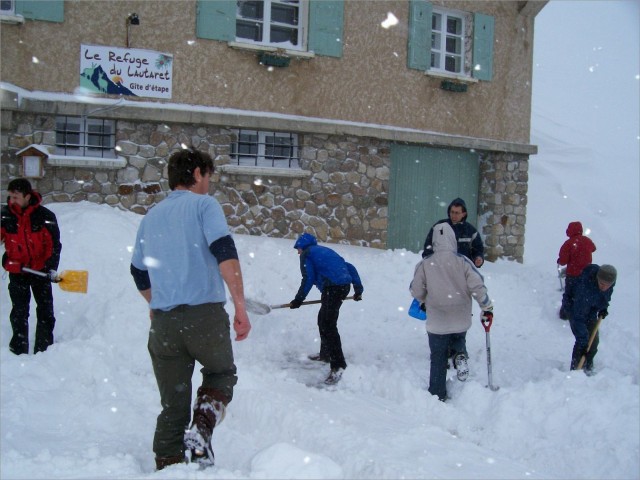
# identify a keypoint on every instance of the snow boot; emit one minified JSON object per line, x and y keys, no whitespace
{"x":318,"y":358}
{"x":162,"y":462}
{"x":462,"y":368}
{"x":334,"y":376}
{"x":207,"y":413}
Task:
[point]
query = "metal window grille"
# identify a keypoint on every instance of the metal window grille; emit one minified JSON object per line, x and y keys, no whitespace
{"x":86,"y":137}
{"x":265,"y":149}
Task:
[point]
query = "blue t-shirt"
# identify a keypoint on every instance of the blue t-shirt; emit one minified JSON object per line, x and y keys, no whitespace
{"x":172,"y":244}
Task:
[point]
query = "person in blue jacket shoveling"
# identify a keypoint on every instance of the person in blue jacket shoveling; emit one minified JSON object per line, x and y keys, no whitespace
{"x":324,"y":268}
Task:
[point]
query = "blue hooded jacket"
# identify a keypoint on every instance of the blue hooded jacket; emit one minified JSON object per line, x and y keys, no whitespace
{"x":322,"y":267}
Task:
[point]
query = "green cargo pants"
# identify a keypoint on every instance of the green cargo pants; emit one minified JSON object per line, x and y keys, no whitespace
{"x":177,"y":339}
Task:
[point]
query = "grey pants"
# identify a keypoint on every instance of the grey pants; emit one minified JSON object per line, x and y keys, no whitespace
{"x":177,"y":339}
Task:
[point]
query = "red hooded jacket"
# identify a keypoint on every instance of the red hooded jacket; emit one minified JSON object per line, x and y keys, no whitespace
{"x":31,"y":237}
{"x":576,"y":252}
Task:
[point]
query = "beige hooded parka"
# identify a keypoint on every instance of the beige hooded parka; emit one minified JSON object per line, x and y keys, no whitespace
{"x":445,"y":282}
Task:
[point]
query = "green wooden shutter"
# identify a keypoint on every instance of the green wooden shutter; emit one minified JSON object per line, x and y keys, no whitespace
{"x":419,"y":45}
{"x":326,"y":23}
{"x":483,"y":26}
{"x":216,"y":20}
{"x":46,"y":10}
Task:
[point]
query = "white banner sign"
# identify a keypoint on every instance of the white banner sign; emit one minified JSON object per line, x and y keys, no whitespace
{"x":126,"y":71}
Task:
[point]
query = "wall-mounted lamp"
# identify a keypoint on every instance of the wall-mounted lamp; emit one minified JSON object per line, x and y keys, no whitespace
{"x":132,"y":19}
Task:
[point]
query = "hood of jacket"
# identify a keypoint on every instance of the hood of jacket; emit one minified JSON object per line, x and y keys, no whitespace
{"x":444,"y":238}
{"x":305,"y":240}
{"x":457,"y":201}
{"x":574,"y":228}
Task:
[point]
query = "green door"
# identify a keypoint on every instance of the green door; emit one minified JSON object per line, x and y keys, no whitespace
{"x":423,"y":182}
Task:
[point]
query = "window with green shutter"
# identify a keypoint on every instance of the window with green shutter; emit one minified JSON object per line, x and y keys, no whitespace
{"x":294,"y":25}
{"x":450,"y":42}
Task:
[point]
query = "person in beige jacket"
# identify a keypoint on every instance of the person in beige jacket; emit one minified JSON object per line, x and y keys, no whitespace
{"x":445,"y":282}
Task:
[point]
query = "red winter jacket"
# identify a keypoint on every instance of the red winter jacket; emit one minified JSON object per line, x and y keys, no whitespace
{"x":576,"y":252}
{"x":31,"y":237}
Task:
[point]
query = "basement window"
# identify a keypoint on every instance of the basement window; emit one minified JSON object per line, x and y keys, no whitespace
{"x":85,"y":137}
{"x":254,"y":148}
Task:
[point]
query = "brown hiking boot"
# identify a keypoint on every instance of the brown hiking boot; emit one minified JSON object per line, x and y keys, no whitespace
{"x":162,"y":462}
{"x":207,"y":413}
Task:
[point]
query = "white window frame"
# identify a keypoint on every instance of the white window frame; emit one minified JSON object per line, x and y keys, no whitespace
{"x":265,"y":40}
{"x":259,"y":157}
{"x":439,"y":43}
{"x":90,"y":141}
{"x":8,"y":11}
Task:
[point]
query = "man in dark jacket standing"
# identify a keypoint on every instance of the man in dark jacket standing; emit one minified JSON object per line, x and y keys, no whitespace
{"x":590,"y":299}
{"x":324,"y":268}
{"x":31,"y":238}
{"x":468,"y":239}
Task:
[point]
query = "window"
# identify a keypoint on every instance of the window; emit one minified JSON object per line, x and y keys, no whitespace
{"x":269,"y":22}
{"x":301,"y":27}
{"x":265,"y":149}
{"x":447,"y":42}
{"x":7,"y":7}
{"x":85,"y":137}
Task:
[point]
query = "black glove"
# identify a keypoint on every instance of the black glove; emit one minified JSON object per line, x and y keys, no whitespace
{"x":423,"y":307}
{"x":295,"y":303}
{"x":603,"y":313}
{"x":357,"y":297}
{"x":487,"y":316}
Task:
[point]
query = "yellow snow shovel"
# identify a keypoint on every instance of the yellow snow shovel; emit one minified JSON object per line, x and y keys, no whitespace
{"x":69,"y":280}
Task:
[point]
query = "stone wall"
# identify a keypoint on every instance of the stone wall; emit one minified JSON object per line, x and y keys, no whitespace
{"x":503,"y":204}
{"x":340,"y":194}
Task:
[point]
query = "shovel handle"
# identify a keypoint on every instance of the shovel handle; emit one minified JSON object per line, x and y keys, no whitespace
{"x":309,"y":302}
{"x":40,"y":274}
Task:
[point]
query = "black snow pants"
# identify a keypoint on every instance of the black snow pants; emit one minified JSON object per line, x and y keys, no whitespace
{"x":20,"y":287}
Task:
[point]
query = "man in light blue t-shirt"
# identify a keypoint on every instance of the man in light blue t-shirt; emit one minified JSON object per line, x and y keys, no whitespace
{"x":182,"y":259}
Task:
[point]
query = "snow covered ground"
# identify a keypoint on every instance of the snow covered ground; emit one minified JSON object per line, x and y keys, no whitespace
{"x":86,"y":408}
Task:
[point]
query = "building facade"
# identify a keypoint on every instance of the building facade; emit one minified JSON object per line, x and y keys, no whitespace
{"x":355,"y":121}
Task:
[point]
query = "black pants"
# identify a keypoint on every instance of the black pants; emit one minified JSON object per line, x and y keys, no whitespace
{"x":20,"y":288}
{"x":330,"y":344}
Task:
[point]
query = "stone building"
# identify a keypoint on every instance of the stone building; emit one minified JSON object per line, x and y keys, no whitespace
{"x":357,"y":124}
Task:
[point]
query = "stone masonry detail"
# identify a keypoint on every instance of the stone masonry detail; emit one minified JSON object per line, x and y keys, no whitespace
{"x":340,"y":196}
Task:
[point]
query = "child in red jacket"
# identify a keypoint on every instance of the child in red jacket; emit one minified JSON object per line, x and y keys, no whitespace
{"x":575,"y":253}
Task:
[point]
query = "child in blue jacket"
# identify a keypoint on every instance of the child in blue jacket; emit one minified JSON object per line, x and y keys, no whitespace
{"x":324,"y":268}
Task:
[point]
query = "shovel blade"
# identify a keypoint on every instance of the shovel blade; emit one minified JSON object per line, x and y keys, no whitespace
{"x":76,"y":281}
{"x":257,"y":308}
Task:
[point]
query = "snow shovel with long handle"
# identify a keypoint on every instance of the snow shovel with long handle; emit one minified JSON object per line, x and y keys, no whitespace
{"x":487,"y":326}
{"x":259,"y":308}
{"x":591,"y":339}
{"x":68,"y":280}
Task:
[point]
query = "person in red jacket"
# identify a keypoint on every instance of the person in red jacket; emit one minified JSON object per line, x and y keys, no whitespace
{"x":575,"y":253}
{"x":31,"y":238}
